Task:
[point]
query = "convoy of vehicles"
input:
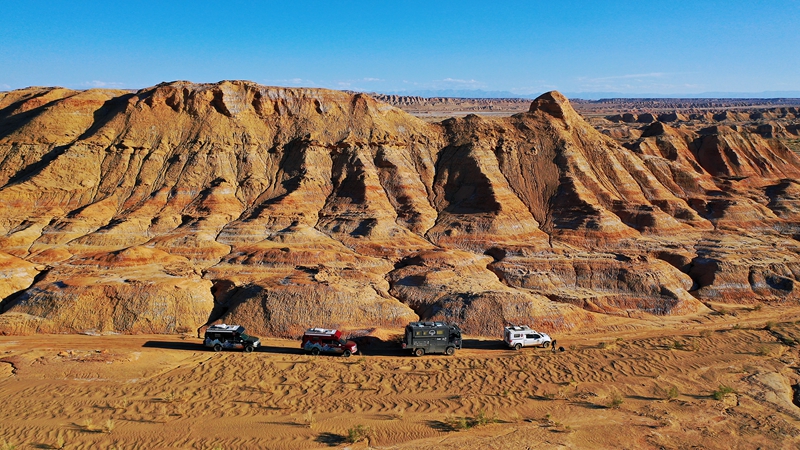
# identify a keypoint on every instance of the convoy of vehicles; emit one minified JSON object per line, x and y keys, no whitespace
{"x":519,"y":336}
{"x":420,"y":338}
{"x":230,"y":337}
{"x":320,"y":340}
{"x":432,"y":337}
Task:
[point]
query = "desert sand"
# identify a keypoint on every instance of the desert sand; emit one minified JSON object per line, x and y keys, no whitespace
{"x":629,"y":383}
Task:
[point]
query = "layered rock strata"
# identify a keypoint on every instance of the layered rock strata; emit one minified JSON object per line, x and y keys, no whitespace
{"x":165,"y":209}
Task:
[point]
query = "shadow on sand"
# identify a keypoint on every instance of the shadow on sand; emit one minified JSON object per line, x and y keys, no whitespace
{"x":198,"y":346}
{"x":367,"y":346}
{"x":478,"y":344}
{"x":193,"y":346}
{"x":330,"y":439}
{"x":372,"y":346}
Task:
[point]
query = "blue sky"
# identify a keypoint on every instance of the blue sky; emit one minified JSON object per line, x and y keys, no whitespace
{"x":524,"y":47}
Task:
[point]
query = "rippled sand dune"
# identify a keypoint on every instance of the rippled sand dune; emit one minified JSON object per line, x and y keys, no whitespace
{"x":629,"y":384}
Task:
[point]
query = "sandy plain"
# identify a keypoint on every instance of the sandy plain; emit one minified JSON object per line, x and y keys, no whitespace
{"x":631,"y":383}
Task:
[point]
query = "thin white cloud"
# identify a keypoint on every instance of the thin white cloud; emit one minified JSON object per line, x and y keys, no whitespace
{"x":103,"y":84}
{"x":291,"y":82}
{"x":460,"y":81}
{"x":624,"y":77}
{"x":651,"y":83}
{"x":5,"y":87}
{"x":371,"y":79}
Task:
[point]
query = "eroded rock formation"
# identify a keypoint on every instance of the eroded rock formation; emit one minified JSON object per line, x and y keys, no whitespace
{"x":160,"y":210}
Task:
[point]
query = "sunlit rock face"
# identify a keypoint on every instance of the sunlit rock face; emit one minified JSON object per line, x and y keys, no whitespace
{"x":182,"y":204}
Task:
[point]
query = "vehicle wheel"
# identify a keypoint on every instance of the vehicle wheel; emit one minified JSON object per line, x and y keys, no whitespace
{"x":346,"y":353}
{"x":315,"y":351}
{"x":217,"y":347}
{"x":419,"y":351}
{"x":248,"y":348}
{"x":517,"y":346}
{"x":546,"y":344}
{"x":450,"y":351}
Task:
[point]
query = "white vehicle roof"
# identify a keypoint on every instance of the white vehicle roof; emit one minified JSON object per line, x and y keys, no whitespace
{"x":428,"y":324}
{"x":324,"y":332}
{"x":226,"y":327}
{"x":519,"y":328}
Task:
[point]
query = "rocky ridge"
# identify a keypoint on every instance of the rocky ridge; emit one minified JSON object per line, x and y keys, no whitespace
{"x":163,"y":209}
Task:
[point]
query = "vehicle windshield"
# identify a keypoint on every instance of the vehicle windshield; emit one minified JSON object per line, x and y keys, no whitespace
{"x":343,"y":341}
{"x":244,"y":336}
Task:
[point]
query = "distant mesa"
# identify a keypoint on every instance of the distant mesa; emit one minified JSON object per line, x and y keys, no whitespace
{"x":182,"y":204}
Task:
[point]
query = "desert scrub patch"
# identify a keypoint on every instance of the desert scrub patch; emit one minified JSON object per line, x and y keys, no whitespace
{"x":6,"y":445}
{"x":615,"y":400}
{"x":673,"y":393}
{"x":457,"y":423}
{"x":88,"y":425}
{"x":555,"y":425}
{"x":61,"y":441}
{"x":122,"y":403}
{"x":358,"y":433}
{"x":668,"y":393}
{"x":613,"y":345}
{"x":722,"y":391}
{"x":675,"y":345}
{"x":763,"y":350}
{"x":561,"y":428}
{"x":482,"y":419}
{"x":690,"y":345}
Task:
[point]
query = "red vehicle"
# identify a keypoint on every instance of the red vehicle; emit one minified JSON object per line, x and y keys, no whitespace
{"x":320,"y":340}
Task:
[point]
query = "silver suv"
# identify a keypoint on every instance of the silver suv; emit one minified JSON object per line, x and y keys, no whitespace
{"x":520,"y":336}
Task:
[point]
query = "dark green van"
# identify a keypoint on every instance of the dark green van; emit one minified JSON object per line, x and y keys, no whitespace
{"x":432,"y":337}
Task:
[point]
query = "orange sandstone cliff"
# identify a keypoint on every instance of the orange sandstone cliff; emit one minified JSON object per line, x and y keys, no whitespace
{"x":181,"y":204}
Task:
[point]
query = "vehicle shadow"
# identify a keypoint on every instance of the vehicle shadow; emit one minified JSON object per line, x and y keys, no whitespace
{"x":198,"y":346}
{"x":193,"y":346}
{"x":281,"y":350}
{"x":479,"y":344}
{"x":372,"y":346}
{"x":367,"y":346}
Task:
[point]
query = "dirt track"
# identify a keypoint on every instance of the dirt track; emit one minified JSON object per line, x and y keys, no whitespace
{"x":607,"y":390}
